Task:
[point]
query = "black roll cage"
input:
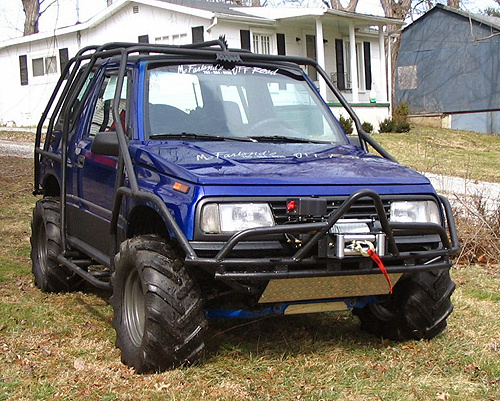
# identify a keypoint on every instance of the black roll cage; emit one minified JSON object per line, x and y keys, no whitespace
{"x":217,"y":52}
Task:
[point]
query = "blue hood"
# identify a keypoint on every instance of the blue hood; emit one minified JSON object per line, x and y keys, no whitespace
{"x":248,"y":163}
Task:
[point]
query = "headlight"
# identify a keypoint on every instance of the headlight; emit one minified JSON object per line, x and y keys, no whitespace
{"x":415,"y":212}
{"x":217,"y":218}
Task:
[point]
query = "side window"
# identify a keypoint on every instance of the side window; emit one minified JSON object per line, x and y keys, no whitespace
{"x":102,"y":118}
{"x":75,"y":107}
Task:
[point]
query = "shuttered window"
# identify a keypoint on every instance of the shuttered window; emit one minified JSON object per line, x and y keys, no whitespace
{"x":280,"y":39}
{"x":245,"y":39}
{"x":339,"y":53}
{"x":311,"y":53}
{"x":197,"y":33}
{"x":23,"y":69}
{"x":63,"y":58}
{"x":368,"y":65}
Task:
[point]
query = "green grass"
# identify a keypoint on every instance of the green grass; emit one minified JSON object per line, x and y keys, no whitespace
{"x":61,"y":346}
{"x":442,"y":151}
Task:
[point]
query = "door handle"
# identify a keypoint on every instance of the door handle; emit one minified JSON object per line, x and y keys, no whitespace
{"x":80,"y":161}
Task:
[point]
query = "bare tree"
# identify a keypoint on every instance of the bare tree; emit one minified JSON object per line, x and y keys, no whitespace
{"x":351,"y":7}
{"x":33,"y":9}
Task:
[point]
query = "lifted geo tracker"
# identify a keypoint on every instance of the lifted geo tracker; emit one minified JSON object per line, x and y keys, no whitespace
{"x":198,"y":182}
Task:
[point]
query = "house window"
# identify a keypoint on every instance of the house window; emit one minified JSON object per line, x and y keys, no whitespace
{"x":360,"y":64}
{"x":37,"y":64}
{"x":23,"y":69}
{"x":44,"y":66}
{"x":50,"y":65}
{"x":261,"y":43}
{"x":143,"y":39}
{"x":177,"y":39}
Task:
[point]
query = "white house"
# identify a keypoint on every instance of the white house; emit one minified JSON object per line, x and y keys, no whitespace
{"x":349,"y":46}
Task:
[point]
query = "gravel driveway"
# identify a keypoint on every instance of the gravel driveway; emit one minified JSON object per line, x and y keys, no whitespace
{"x":18,"y":149}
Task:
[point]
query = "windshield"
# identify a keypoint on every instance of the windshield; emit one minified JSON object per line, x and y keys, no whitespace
{"x":244,"y":102}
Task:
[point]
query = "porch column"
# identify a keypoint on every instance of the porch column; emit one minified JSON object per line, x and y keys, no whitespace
{"x":382,"y":85}
{"x":320,"y":55}
{"x":354,"y":65}
{"x":389,"y":73}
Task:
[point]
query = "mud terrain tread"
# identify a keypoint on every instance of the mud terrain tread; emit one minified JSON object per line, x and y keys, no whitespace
{"x":53,"y":277}
{"x":175,"y":322}
{"x":418,"y":309}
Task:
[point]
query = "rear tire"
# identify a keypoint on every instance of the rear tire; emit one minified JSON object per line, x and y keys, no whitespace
{"x":417,"y":309}
{"x":50,"y":275}
{"x":158,"y":309}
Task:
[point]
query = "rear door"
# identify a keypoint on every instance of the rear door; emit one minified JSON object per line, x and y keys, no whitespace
{"x":94,"y":176}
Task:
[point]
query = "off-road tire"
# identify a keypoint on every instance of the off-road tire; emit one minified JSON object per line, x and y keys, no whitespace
{"x":418,"y":308}
{"x":158,"y":309}
{"x":50,"y":275}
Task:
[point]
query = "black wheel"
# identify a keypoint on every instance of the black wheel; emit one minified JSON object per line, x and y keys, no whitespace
{"x":418,"y":308}
{"x":158,"y":309}
{"x":50,"y":276}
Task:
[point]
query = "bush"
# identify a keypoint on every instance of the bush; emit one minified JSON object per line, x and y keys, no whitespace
{"x":393,"y":125}
{"x":367,"y":127}
{"x":386,"y":125}
{"x":401,"y":126}
{"x":400,"y":113}
{"x":346,"y":124}
{"x":478,"y":229}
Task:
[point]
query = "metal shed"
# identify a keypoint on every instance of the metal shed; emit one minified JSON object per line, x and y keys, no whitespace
{"x":449,"y":66}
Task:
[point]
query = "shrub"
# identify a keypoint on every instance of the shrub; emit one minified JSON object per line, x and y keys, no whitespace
{"x":367,"y":127}
{"x":478,"y":228}
{"x":393,"y":125}
{"x":386,"y":125}
{"x":346,"y":124}
{"x":400,"y":113}
{"x":401,"y":126}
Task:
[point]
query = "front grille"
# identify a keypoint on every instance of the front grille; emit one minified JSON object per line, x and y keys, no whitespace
{"x":363,"y":208}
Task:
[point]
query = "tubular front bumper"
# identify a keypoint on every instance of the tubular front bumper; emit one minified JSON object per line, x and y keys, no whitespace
{"x":301,"y":264}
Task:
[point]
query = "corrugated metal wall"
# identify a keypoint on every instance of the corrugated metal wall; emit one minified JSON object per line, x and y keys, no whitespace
{"x":447,"y":66}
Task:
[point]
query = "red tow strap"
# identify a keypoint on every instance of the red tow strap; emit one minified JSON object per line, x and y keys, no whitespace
{"x":373,"y":255}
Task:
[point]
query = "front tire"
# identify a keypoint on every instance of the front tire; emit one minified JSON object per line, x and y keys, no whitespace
{"x":417,"y":309}
{"x":158,"y":309}
{"x":50,"y":275}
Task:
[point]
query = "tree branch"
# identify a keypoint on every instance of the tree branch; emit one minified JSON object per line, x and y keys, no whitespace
{"x":45,"y":9}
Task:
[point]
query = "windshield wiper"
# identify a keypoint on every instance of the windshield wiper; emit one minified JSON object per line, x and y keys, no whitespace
{"x":195,"y":136}
{"x":282,"y":138}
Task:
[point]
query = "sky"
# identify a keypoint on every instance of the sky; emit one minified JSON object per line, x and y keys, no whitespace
{"x":64,"y":13}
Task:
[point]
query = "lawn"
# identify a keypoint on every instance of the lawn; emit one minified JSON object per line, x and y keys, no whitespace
{"x":450,"y":152}
{"x":61,"y":346}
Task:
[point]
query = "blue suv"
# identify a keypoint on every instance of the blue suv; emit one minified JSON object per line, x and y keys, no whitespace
{"x":199,"y":182}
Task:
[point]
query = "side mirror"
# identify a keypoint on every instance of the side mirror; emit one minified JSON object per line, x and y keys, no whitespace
{"x":106,"y":144}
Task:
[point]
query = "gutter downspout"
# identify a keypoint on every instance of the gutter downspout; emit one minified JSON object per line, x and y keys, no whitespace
{"x":215,"y":21}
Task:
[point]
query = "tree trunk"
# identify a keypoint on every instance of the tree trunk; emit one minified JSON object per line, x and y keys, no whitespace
{"x":32,"y":11}
{"x":453,"y":3}
{"x":351,"y":7}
